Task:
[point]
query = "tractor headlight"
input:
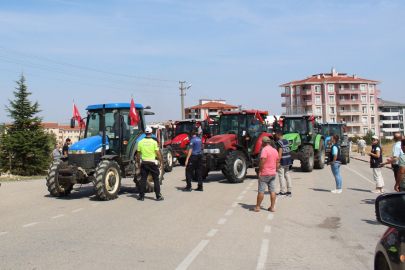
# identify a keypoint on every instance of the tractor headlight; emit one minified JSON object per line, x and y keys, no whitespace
{"x":211,"y":151}
{"x":77,"y":152}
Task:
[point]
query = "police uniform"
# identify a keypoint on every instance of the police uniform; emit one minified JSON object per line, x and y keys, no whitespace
{"x":194,"y":162}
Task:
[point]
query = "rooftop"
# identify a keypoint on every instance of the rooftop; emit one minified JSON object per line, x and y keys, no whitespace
{"x":213,"y":105}
{"x":386,"y":103}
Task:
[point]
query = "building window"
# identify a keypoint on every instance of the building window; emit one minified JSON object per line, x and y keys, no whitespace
{"x":318,"y":110}
{"x":372,"y":99}
{"x":297,"y":90}
{"x":295,"y":111}
{"x":287,"y":101}
{"x":287,"y":90}
{"x":318,"y":99}
{"x":372,"y":121}
{"x":371,"y":88}
{"x":332,"y":110}
{"x":331,"y":99}
{"x":317,"y":88}
{"x":341,"y":87}
{"x":365,"y":120}
{"x":342,"y":109}
{"x":298,"y":101}
{"x":365,"y":130}
{"x":363,"y":88}
{"x":364,"y":108}
{"x":288,"y":111}
{"x":364,"y":99}
{"x":299,"y":110}
{"x":331,"y":88}
{"x":333,"y":120}
{"x":352,"y":87}
{"x":373,"y":130}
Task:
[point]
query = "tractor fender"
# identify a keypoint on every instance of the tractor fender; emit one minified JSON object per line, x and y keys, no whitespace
{"x":258,"y":145}
{"x":317,"y":140}
{"x":117,"y":159}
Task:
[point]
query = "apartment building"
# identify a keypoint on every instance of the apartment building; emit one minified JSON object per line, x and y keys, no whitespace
{"x":63,"y":132}
{"x":209,"y":107}
{"x":335,"y":96}
{"x":391,"y":118}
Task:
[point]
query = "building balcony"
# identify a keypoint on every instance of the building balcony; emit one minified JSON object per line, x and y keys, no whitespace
{"x":390,"y":121}
{"x":283,"y":104}
{"x":306,"y":92}
{"x":348,"y":91}
{"x":284,"y":95}
{"x":348,"y":112}
{"x":347,"y":101}
{"x":306,"y":103}
{"x":354,"y":123}
{"x":390,"y":113}
{"x":392,"y":129}
{"x":378,"y":92}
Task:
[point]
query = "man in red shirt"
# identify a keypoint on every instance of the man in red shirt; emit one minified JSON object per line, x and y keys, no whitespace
{"x":269,"y":162}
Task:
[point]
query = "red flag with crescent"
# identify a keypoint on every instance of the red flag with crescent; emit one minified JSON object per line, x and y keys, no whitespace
{"x":77,"y":117}
{"x":257,"y":116}
{"x":207,"y":118}
{"x":133,"y":114}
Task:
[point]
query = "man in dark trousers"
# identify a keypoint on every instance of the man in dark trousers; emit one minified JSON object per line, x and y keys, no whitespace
{"x":66,"y":147}
{"x":194,"y":161}
{"x":149,"y":150}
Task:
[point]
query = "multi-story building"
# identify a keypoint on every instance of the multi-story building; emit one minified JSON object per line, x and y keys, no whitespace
{"x":333,"y":97}
{"x":391,"y":118}
{"x":209,"y":107}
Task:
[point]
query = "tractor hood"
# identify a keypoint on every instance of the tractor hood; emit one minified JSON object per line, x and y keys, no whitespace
{"x":225,"y":139}
{"x":181,"y":137}
{"x":90,"y":145}
{"x":294,"y":139}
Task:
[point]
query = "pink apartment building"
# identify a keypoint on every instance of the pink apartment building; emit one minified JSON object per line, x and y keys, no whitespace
{"x":335,"y":96}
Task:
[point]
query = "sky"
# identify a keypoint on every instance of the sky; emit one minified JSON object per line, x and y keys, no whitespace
{"x":105,"y":51}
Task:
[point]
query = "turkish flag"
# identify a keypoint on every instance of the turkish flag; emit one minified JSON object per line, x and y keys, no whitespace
{"x":77,"y":117}
{"x":207,"y":118}
{"x":257,"y":116}
{"x":133,"y":114}
{"x":280,"y":122}
{"x":312,"y":118}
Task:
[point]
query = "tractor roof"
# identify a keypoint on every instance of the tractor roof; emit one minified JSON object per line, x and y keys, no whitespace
{"x":299,"y":116}
{"x":190,"y":120}
{"x":113,"y":106}
{"x":246,"y":111}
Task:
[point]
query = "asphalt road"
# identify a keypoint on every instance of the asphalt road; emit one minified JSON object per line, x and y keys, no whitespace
{"x":313,"y":229}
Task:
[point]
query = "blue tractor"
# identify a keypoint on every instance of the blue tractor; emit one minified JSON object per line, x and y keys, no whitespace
{"x":329,"y":129}
{"x":105,"y":155}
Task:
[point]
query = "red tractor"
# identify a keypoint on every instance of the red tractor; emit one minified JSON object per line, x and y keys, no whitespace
{"x":238,"y":144}
{"x":181,"y":138}
{"x":162,"y":134}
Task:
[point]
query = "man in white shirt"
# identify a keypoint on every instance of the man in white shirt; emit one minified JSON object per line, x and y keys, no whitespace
{"x":362,"y":146}
{"x":396,"y":153}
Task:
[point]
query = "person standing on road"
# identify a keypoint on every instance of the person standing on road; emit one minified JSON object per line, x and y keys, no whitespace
{"x":400,"y":180}
{"x":148,"y":149}
{"x":351,"y":145}
{"x":396,"y":153}
{"x":375,"y":161}
{"x":362,"y":146}
{"x":285,"y":161}
{"x":269,"y":162}
{"x":194,"y":162}
{"x":65,"y":148}
{"x":335,"y":160}
{"x":56,"y":152}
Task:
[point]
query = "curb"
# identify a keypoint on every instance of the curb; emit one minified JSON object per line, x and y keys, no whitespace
{"x":388,"y":167}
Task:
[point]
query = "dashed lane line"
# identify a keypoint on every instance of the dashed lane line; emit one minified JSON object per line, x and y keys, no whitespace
{"x":234,"y":204}
{"x":240,"y":197}
{"x":3,"y":232}
{"x":248,"y":187}
{"x":29,"y":224}
{"x":244,"y":192}
{"x":229,"y":212}
{"x":263,"y":254}
{"x":192,"y":255}
{"x":94,"y":204}
{"x":58,"y":216}
{"x":267,"y":229}
{"x":270,"y":216}
{"x":222,"y":221}
{"x":77,"y":210}
{"x":372,"y":182}
{"x":212,"y":232}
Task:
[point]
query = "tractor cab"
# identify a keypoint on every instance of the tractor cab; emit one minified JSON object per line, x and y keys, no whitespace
{"x":329,"y":129}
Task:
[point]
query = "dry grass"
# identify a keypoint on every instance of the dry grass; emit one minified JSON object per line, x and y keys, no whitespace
{"x":386,"y":148}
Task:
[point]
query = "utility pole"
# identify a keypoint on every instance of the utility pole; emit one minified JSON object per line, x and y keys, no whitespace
{"x":182,"y":99}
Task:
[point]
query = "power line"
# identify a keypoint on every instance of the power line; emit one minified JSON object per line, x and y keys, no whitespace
{"x":77,"y":66}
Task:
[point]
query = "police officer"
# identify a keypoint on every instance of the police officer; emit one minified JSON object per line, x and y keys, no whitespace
{"x":194,"y":161}
{"x":148,"y":148}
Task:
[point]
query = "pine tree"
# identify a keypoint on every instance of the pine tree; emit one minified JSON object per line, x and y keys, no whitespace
{"x":24,"y":146}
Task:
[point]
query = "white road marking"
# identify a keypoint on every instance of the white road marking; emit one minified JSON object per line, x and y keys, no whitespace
{"x":248,"y":187}
{"x":267,"y":229}
{"x":3,"y":233}
{"x":234,"y":204}
{"x":270,"y":216}
{"x":244,"y":192}
{"x":229,"y":212}
{"x":222,"y":221}
{"x":77,"y":210}
{"x":212,"y":232}
{"x":372,"y":182}
{"x":240,"y":197}
{"x":192,"y":255}
{"x":252,"y":181}
{"x":58,"y":216}
{"x":251,"y":184}
{"x":94,"y":204}
{"x":263,"y":254}
{"x":29,"y":224}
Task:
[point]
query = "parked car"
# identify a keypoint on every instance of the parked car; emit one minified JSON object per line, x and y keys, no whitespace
{"x":390,"y":250}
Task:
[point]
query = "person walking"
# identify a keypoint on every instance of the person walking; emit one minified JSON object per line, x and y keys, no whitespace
{"x":351,"y":145}
{"x":269,"y":162}
{"x":194,"y":161}
{"x":335,"y":160}
{"x":148,"y":149}
{"x":400,"y":180}
{"x":65,"y":148}
{"x":396,"y":153}
{"x":362,"y":146}
{"x":283,"y":147}
{"x":56,"y":152}
{"x":375,"y":161}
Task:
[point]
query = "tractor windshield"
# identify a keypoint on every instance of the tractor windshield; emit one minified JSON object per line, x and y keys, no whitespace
{"x":229,"y":123}
{"x":184,"y":127}
{"x":292,"y":125}
{"x":335,"y":129}
{"x":325,"y":130}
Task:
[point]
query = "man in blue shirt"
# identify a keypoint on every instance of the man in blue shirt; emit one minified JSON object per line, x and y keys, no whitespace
{"x":194,"y":161}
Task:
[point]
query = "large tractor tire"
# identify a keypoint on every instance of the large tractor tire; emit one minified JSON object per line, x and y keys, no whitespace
{"x":108,"y":180}
{"x":345,"y":154}
{"x":307,"y":163}
{"x":54,"y":187}
{"x":235,"y":167}
{"x":182,"y":160}
{"x":320,"y":155}
{"x":168,"y":159}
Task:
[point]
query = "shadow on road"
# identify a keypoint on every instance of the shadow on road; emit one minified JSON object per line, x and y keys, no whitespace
{"x":320,"y":189}
{"x":248,"y":206}
{"x":359,"y":189}
{"x":372,"y":222}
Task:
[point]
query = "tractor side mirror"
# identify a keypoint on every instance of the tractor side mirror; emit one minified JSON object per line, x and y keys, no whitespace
{"x":72,"y":123}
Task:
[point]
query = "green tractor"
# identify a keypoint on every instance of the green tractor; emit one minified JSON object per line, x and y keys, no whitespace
{"x":305,"y":143}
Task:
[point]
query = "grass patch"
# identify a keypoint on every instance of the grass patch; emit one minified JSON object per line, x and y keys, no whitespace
{"x":386,"y":149}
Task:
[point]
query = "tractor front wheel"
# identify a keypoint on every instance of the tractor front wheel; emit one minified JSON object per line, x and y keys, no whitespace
{"x":54,"y":187}
{"x":167,"y":159}
{"x":320,"y":155}
{"x":307,"y":162}
{"x":108,"y":180}
{"x":235,"y":167}
{"x":345,"y":155}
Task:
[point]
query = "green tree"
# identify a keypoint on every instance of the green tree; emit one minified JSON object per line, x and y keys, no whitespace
{"x":25,"y":146}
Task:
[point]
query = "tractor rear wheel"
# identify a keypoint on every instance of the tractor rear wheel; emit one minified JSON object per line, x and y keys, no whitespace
{"x":182,"y":160}
{"x":108,"y":180}
{"x":320,"y":155}
{"x":235,"y":167}
{"x":167,"y":159}
{"x":54,"y":187}
{"x":307,"y":162}
{"x":345,"y":154}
